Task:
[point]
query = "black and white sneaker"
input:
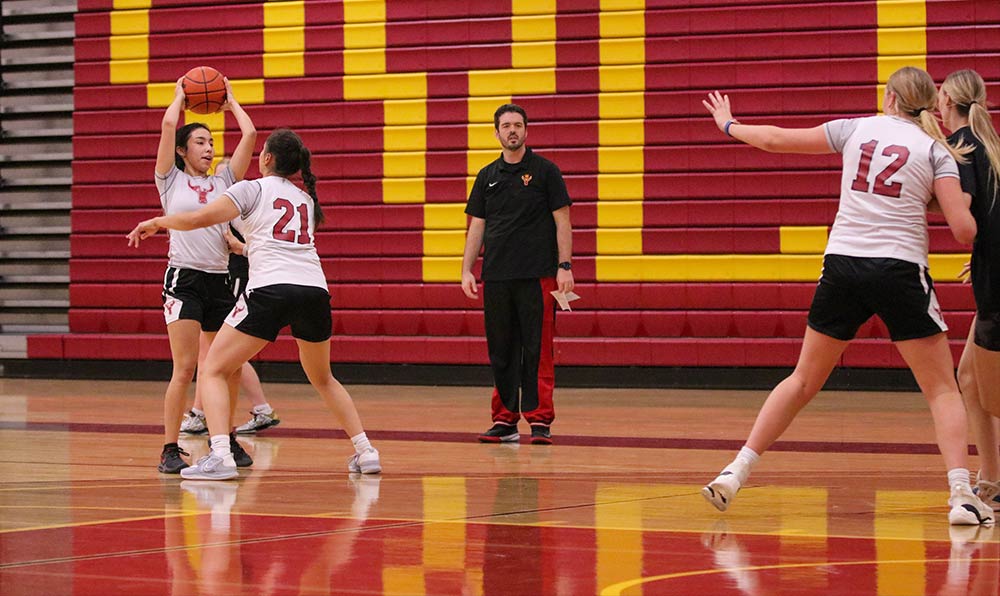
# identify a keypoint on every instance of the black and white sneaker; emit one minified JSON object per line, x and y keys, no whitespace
{"x":194,"y":423}
{"x":258,"y":421}
{"x":240,"y":455}
{"x":540,"y":435}
{"x":967,"y":509}
{"x":170,"y":459}
{"x":721,"y":491}
{"x":500,"y":433}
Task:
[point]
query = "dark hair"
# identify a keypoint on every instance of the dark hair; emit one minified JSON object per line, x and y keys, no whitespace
{"x":290,"y":156}
{"x":508,"y":107}
{"x":181,"y":140}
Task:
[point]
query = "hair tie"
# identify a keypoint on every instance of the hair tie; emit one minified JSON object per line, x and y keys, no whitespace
{"x":916,"y":114}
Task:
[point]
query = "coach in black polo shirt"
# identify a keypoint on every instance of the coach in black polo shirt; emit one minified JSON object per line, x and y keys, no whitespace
{"x":519,"y":212}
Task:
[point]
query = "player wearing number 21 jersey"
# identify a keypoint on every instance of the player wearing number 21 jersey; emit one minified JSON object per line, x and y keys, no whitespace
{"x":276,"y":218}
{"x":287,"y":288}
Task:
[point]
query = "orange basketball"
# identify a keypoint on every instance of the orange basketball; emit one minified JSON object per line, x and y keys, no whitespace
{"x":205,"y":90}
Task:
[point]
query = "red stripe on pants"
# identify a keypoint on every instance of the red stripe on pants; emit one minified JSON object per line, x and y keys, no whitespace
{"x":520,"y":326}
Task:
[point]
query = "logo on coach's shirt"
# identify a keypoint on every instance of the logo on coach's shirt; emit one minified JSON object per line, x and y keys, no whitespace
{"x":526,"y":178}
{"x":203,"y":193}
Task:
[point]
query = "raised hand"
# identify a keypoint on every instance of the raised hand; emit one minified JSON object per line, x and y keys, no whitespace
{"x":718,"y":106}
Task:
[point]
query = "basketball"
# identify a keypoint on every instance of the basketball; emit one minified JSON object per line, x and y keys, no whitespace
{"x":205,"y":90}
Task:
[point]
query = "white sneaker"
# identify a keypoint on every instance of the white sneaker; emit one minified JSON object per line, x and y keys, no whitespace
{"x":212,"y":467}
{"x":194,"y":424}
{"x":966,"y":508}
{"x":988,"y":492}
{"x":721,"y":491}
{"x":258,"y":421}
{"x":365,"y":463}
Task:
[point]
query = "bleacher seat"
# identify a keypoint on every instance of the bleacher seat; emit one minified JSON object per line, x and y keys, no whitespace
{"x":616,"y":103}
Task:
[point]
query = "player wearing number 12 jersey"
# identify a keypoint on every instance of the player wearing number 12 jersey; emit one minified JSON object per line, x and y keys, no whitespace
{"x":287,"y":287}
{"x":875,"y":263}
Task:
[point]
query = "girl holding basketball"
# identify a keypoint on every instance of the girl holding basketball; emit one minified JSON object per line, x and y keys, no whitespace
{"x":962,"y":104}
{"x":287,"y":287}
{"x":196,"y":296}
{"x":875,"y":263}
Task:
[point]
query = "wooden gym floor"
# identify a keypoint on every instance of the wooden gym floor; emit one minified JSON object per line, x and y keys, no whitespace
{"x":852,"y":501}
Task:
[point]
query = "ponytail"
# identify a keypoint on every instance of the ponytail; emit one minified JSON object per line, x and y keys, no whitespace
{"x":916,"y":97}
{"x":290,"y":156}
{"x":968,"y":92}
{"x":929,"y":124}
{"x":309,"y":181}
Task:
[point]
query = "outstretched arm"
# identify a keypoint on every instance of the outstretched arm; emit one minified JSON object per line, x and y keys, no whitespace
{"x":769,"y":138}
{"x":243,"y":154}
{"x":220,"y":210}
{"x":168,"y":131}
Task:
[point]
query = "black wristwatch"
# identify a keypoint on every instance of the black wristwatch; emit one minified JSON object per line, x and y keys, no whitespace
{"x":565,"y":265}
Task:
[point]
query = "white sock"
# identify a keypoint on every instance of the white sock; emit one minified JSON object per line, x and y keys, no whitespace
{"x":958,"y":477}
{"x":264,"y":408}
{"x":197,"y":412}
{"x":743,"y":463}
{"x":220,"y":445}
{"x":747,"y":456}
{"x":361,"y":442}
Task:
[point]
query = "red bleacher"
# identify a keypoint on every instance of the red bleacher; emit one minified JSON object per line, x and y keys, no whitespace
{"x":786,"y":62}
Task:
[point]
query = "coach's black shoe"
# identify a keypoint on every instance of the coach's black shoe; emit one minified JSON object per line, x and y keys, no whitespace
{"x":240,"y":455}
{"x":170,"y":459}
{"x":500,"y":433}
{"x":540,"y":435}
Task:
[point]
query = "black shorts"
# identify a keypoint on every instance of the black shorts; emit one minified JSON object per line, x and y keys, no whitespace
{"x":852,"y":289}
{"x":263,"y":312}
{"x":239,"y":274}
{"x":238,"y":284}
{"x":986,"y":333}
{"x":197,"y":296}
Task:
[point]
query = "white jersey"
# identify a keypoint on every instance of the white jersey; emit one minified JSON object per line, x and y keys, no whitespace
{"x":890,"y":165}
{"x":204,"y":249}
{"x":278,"y":223}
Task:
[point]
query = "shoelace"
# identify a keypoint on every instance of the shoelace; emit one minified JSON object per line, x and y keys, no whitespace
{"x":176,"y":450}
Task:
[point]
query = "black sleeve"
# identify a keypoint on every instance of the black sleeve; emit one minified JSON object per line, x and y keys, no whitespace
{"x":476,"y":207}
{"x":967,"y":174}
{"x":967,"y":170}
{"x":556,"y":189}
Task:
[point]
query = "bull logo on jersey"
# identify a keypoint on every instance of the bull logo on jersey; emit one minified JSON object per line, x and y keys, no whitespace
{"x":526,"y":178}
{"x":203,"y":193}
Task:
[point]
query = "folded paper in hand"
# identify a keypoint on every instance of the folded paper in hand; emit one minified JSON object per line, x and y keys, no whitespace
{"x":564,"y":299}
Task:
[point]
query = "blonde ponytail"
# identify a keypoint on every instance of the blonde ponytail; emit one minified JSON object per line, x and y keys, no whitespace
{"x":929,"y":124}
{"x":916,"y":97}
{"x":968,"y":92}
{"x":982,"y":126}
